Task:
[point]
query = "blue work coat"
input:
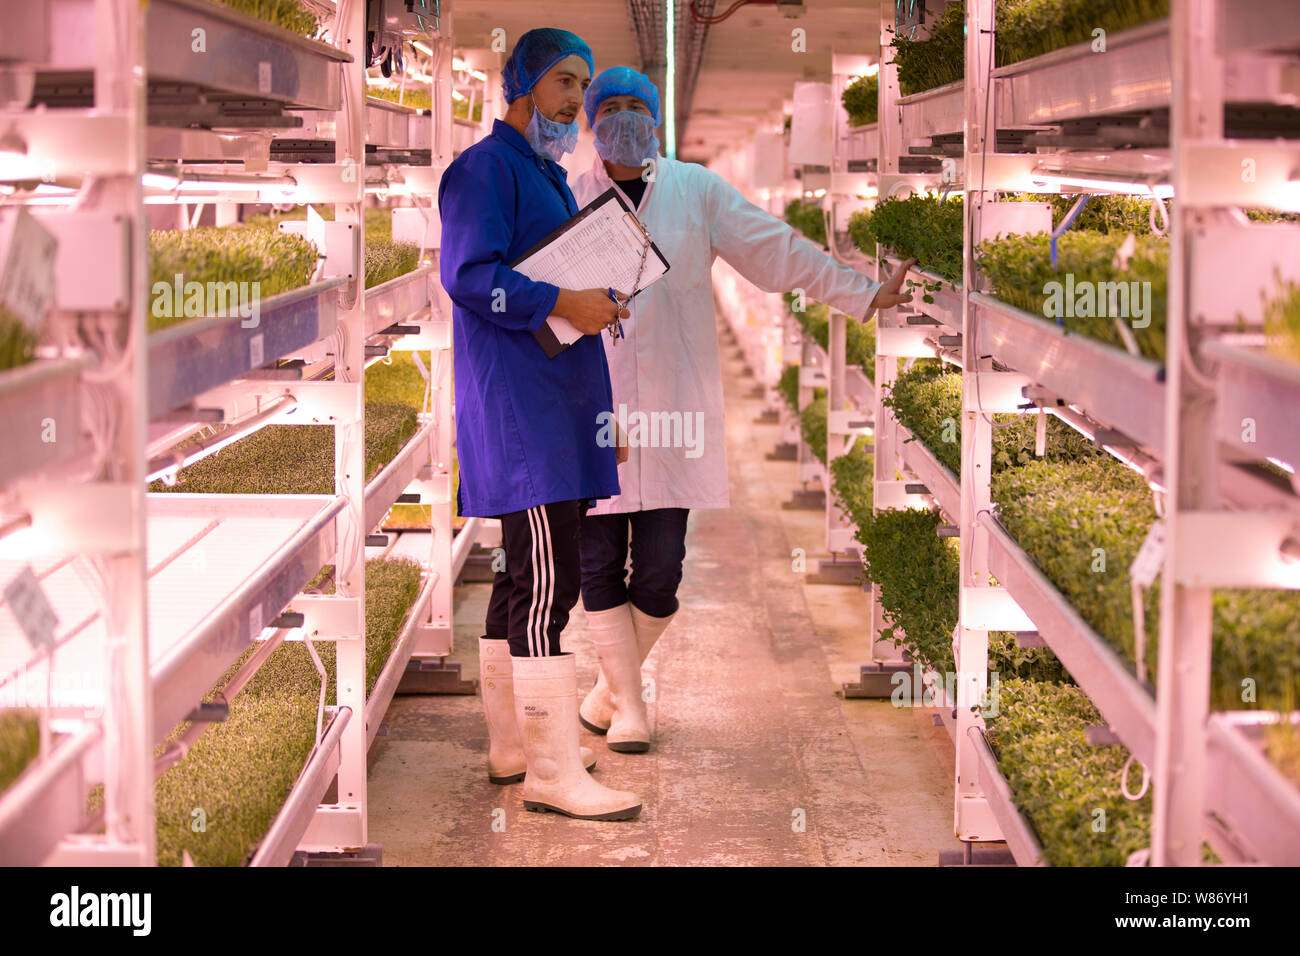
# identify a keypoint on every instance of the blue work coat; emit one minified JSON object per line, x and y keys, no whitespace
{"x":526,"y":425}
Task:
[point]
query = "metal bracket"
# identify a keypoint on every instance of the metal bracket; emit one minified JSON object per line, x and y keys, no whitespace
{"x":875,"y":681}
{"x":209,"y":712}
{"x":1098,"y":736}
{"x":330,"y":617}
{"x":992,"y":609}
{"x":435,"y":676}
{"x":806,"y":499}
{"x":1237,"y":549}
{"x":1113,"y":438}
{"x":836,"y":572}
{"x":904,"y":342}
{"x":371,"y":854}
{"x":1002,"y":391}
{"x":188,"y":414}
{"x":1041,"y":397}
{"x":1029,"y":640}
{"x":477,"y":568}
{"x":971,"y":855}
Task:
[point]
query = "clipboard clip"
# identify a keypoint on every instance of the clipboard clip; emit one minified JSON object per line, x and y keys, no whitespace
{"x":637,"y":222}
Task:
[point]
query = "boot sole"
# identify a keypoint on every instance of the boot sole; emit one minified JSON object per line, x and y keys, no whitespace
{"x":519,"y":777}
{"x":602,"y":731}
{"x":629,"y":746}
{"x":627,"y":814}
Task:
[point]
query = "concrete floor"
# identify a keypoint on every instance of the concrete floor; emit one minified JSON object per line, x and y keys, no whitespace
{"x":751,"y":738}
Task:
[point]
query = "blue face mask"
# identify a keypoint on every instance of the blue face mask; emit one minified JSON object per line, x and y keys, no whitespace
{"x":627,"y":138}
{"x":549,"y":138}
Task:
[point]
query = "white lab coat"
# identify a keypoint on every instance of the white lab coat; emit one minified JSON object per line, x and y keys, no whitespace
{"x":667,"y":361}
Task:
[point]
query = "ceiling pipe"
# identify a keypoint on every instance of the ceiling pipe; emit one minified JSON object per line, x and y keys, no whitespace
{"x":648,"y":17}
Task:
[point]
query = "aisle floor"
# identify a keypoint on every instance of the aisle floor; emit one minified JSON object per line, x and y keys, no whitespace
{"x":756,"y":759}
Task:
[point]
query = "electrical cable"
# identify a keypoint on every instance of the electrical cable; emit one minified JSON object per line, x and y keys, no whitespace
{"x":1123,"y":780}
{"x":1158,"y":204}
{"x":970,"y":210}
{"x":712,"y":19}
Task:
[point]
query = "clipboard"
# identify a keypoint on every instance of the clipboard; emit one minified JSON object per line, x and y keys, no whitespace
{"x":599,"y":247}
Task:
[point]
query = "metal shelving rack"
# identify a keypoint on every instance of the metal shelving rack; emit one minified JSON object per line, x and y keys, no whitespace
{"x":221,"y":568}
{"x":1177,"y":416}
{"x":1214,"y":766}
{"x":851,"y":396}
{"x":101,"y":520}
{"x":1181,"y":424}
{"x":898,"y":339}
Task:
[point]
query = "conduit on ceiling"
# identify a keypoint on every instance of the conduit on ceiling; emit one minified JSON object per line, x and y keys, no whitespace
{"x":648,"y":18}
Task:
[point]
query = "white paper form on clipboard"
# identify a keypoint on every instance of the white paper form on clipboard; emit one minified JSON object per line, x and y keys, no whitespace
{"x":601,"y":247}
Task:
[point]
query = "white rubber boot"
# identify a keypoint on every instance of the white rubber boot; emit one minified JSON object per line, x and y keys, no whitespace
{"x":597,"y":708}
{"x":614,"y":635}
{"x":546,"y":703}
{"x":506,"y":761}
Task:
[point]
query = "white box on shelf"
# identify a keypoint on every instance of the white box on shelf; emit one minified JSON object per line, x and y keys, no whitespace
{"x":811,"y":124}
{"x":411,"y":225}
{"x":91,"y":269}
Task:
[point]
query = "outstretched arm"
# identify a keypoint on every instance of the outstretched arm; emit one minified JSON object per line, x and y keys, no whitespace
{"x":773,"y":256}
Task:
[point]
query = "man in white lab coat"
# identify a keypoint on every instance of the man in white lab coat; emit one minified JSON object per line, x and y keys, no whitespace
{"x":667,"y":382}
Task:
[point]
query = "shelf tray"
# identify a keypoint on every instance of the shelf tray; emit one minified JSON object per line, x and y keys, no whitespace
{"x":398,"y":474}
{"x":1134,"y":75}
{"x":391,"y":675}
{"x":1121,"y":390}
{"x":857,"y":387}
{"x":943,"y":484}
{"x":398,"y":300}
{"x":188,"y":359}
{"x":946,"y":307}
{"x":1259,"y":806}
{"x":1252,"y":384}
{"x":1127,"y":705}
{"x":47,"y":802}
{"x":30,"y":394}
{"x":1020,"y":838}
{"x":1074,"y":81}
{"x":245,"y":56}
{"x":221,"y":568}
{"x":937,"y":112}
{"x":295,"y":816}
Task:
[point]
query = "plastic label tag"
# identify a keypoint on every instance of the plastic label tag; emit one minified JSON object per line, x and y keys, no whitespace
{"x":31,"y":608}
{"x":1150,"y":557}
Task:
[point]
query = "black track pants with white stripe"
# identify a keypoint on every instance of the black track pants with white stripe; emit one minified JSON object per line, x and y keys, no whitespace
{"x":532,"y":598}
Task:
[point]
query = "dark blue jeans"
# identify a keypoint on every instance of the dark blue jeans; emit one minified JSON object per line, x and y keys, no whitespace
{"x":657,"y":541}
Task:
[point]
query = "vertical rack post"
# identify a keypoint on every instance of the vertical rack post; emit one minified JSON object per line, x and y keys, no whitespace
{"x":128,"y":782}
{"x":343,"y":826}
{"x":972,"y":817}
{"x":1183,"y":672}
{"x":885,"y":462}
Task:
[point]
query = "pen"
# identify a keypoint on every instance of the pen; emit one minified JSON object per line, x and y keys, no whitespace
{"x":613,"y":298}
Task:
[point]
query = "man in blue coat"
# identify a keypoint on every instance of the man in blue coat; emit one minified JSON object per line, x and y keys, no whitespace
{"x":527,"y":425}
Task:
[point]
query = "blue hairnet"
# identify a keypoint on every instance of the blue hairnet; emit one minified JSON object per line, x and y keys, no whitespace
{"x":621,"y":81}
{"x":536,"y":52}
